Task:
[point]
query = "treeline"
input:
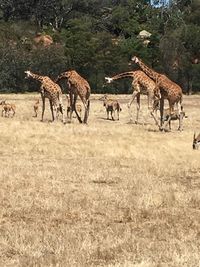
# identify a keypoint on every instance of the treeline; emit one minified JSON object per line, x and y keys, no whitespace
{"x":97,"y":38}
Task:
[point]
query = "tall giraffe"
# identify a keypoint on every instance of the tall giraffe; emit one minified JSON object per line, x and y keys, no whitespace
{"x":50,"y":90}
{"x":77,"y":86}
{"x":169,"y":90}
{"x":141,"y":83}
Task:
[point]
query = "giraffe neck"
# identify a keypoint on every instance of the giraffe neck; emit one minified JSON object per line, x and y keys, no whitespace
{"x":151,"y":73}
{"x":123,"y":75}
{"x":37,"y":77}
{"x":60,"y":77}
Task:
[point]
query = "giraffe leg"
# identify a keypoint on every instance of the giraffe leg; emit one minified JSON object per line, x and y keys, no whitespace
{"x":43,"y":107}
{"x":153,"y":112}
{"x":161,"y":113}
{"x":62,"y":109}
{"x":138,"y":107}
{"x":51,"y":107}
{"x":71,"y":104}
{"x":86,"y":104}
{"x":87,"y":109}
{"x":74,"y":108}
{"x":130,"y":103}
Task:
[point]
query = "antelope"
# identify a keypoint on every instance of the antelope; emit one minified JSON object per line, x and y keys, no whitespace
{"x":36,"y":107}
{"x":166,"y":114}
{"x":7,"y":108}
{"x":196,"y":141}
{"x":111,"y":106}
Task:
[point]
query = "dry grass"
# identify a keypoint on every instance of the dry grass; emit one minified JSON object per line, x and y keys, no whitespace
{"x":107,"y":194}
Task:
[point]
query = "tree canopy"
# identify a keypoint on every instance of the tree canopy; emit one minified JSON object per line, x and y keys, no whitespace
{"x":97,"y":38}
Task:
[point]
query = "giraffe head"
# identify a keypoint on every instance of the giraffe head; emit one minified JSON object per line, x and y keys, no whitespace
{"x":108,"y":79}
{"x":135,"y":59}
{"x":63,"y":75}
{"x":67,"y":74}
{"x":196,"y":141}
{"x":28,"y":74}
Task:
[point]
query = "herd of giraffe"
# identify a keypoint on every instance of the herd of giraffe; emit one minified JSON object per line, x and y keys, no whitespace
{"x":158,"y":87}
{"x":77,"y":86}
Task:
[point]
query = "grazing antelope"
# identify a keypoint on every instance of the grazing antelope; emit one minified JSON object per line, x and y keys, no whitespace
{"x":166,"y":114}
{"x":7,"y":108}
{"x":36,"y":107}
{"x":111,"y":106}
{"x":78,"y":108}
{"x":174,"y":116}
{"x":196,"y":141}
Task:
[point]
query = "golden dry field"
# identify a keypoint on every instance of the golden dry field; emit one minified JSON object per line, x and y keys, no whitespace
{"x":108,"y":193}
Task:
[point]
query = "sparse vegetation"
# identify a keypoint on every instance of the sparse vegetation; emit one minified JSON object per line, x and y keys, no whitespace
{"x":106,"y":194}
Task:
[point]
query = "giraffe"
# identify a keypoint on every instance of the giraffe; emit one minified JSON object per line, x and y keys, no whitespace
{"x":141,"y":83}
{"x":169,"y":90}
{"x":77,"y":86}
{"x":50,"y":90}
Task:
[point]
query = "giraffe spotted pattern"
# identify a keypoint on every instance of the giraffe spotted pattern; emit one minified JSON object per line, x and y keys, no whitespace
{"x":50,"y":90}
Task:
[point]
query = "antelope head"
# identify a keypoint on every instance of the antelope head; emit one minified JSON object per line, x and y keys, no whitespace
{"x":104,"y":99}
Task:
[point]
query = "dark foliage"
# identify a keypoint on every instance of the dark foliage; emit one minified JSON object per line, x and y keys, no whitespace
{"x":98,"y":38}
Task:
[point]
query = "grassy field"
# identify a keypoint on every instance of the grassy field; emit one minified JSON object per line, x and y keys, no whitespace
{"x":108,"y":193}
